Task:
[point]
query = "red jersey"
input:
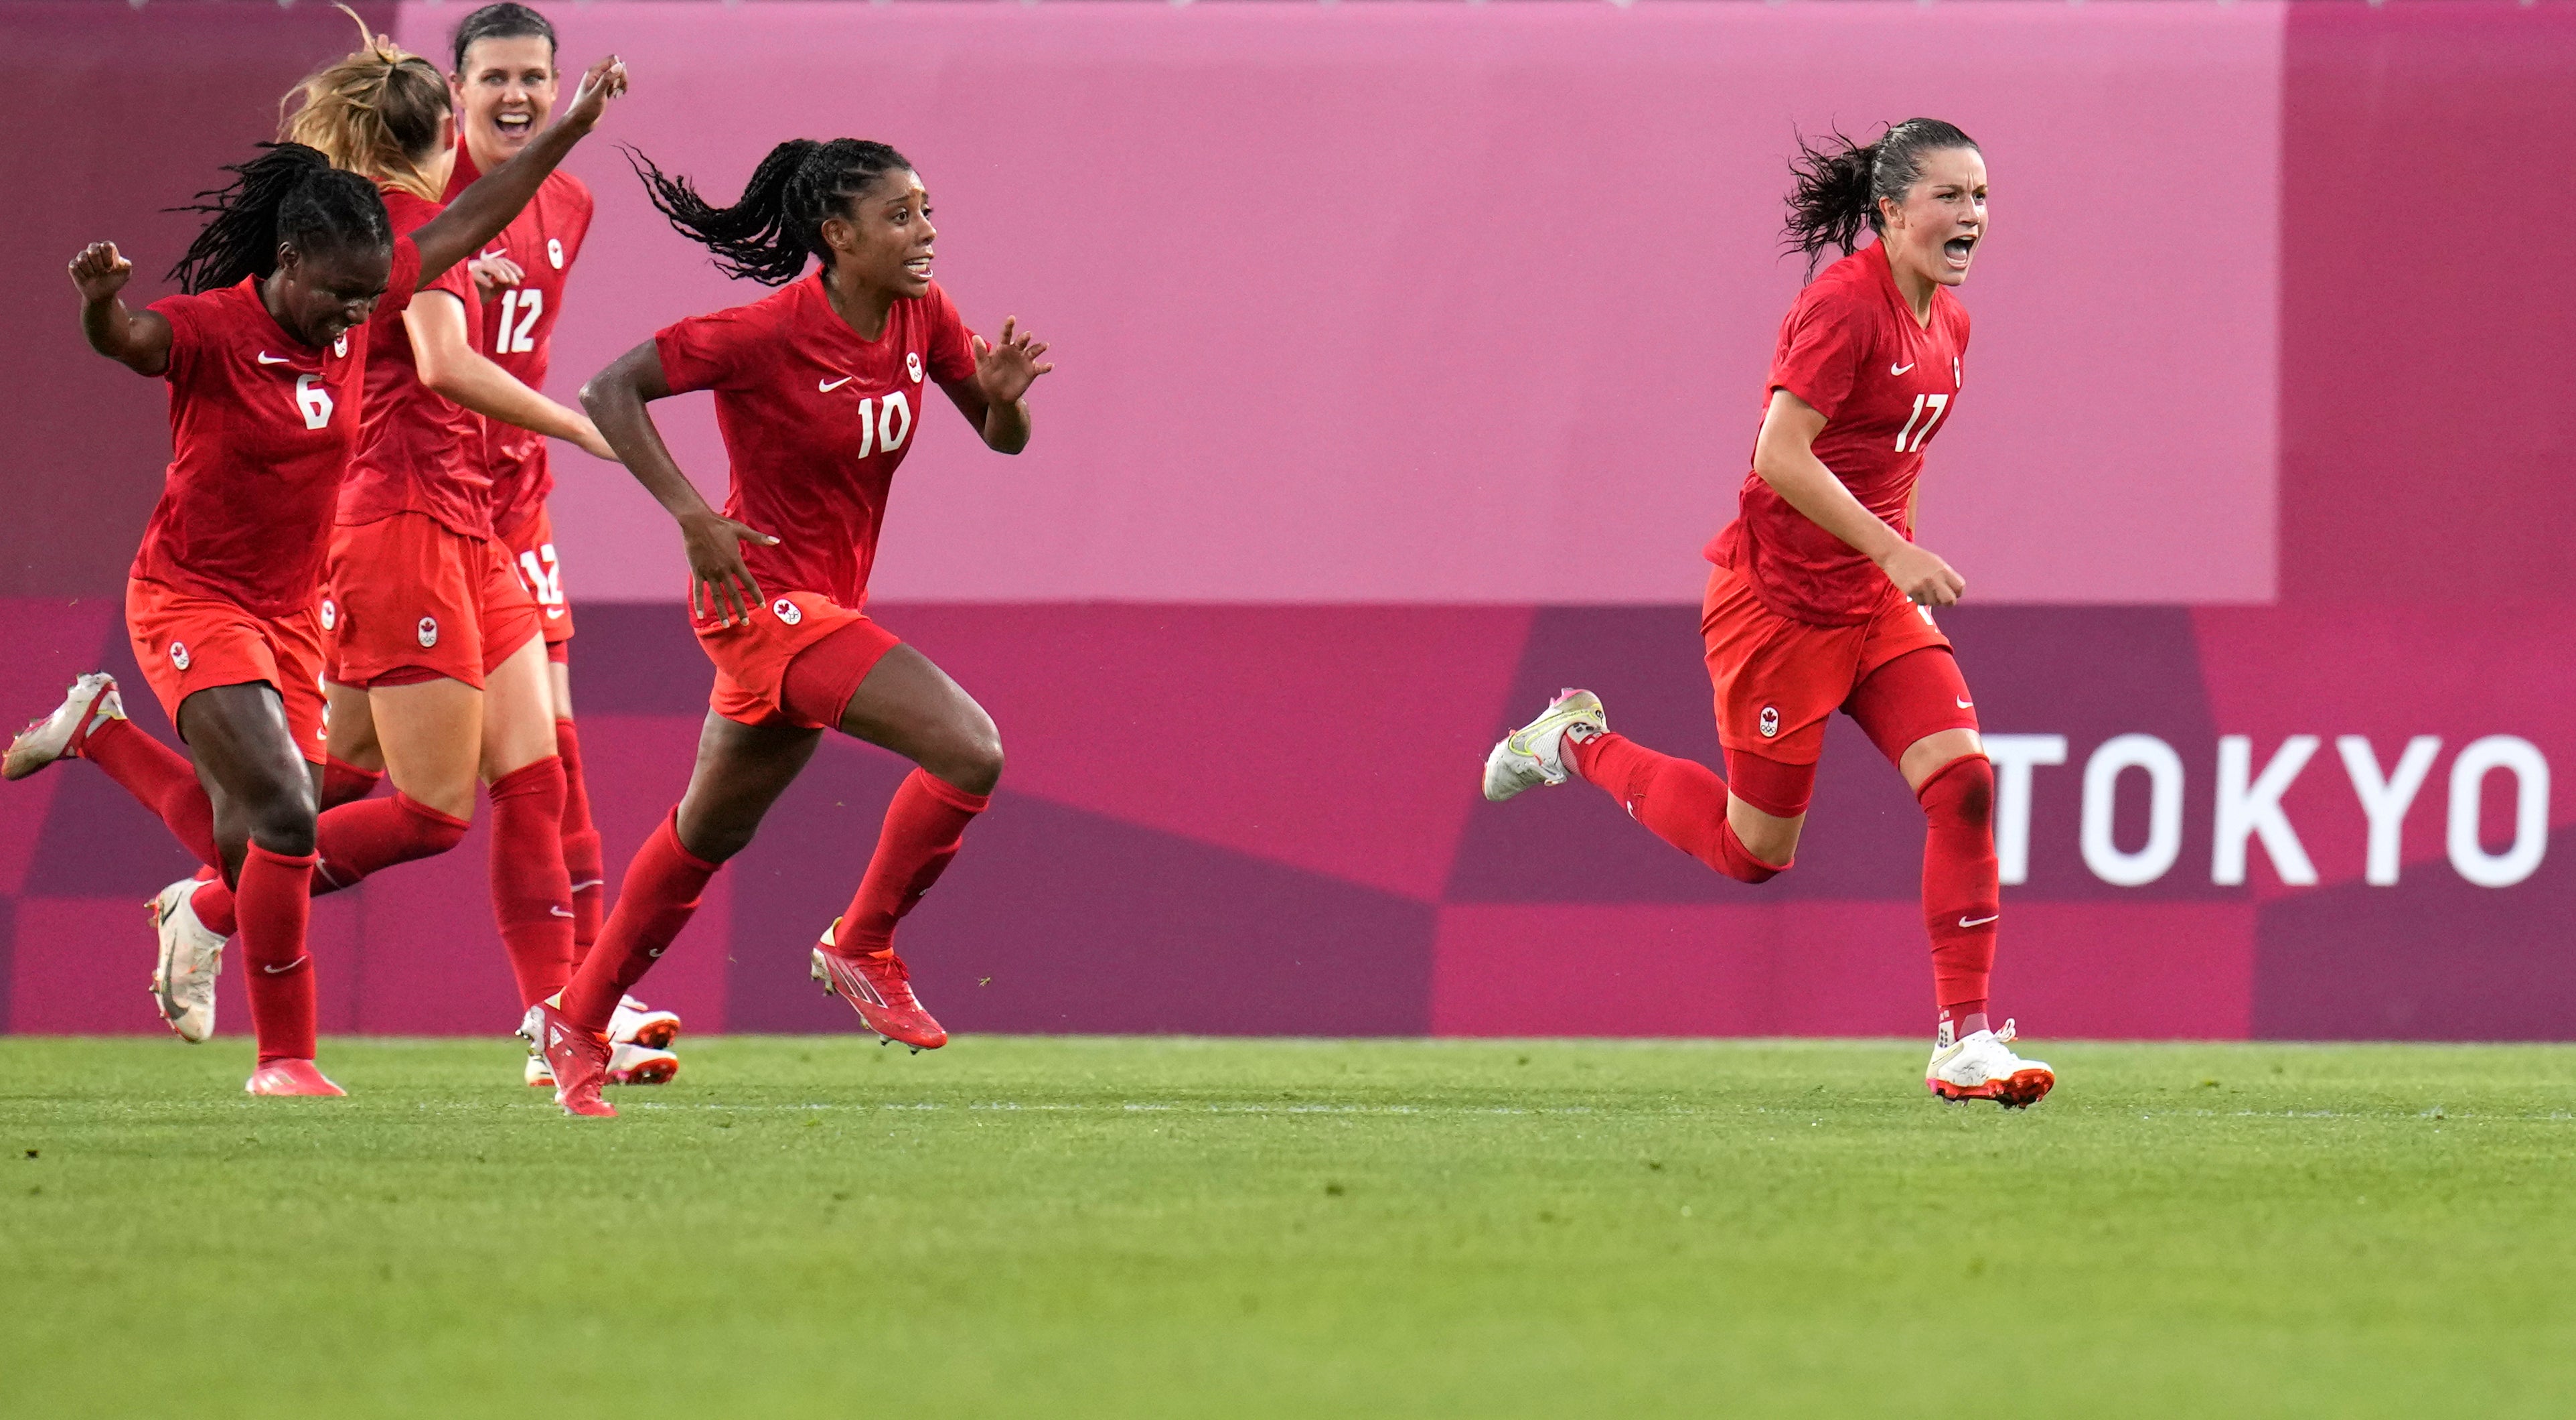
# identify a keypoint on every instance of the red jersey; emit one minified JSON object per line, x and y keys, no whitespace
{"x":418,"y":451}
{"x":519,"y":326}
{"x":1852,"y":349}
{"x":815,"y":420}
{"x":261,"y":430}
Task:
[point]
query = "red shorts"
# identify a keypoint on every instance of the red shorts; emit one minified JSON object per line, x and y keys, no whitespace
{"x":186,"y":642}
{"x":532,"y":555}
{"x":1778,"y":679}
{"x":408,"y":599}
{"x":751,"y":659}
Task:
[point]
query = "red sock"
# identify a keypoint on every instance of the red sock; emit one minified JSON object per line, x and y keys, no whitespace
{"x":654,"y":901}
{"x":1962,"y":900}
{"x":346,"y":783}
{"x":160,"y":777}
{"x":374,"y":834}
{"x":580,"y":845}
{"x":355,"y":840}
{"x":923,"y":827}
{"x":275,"y":899}
{"x":531,"y":897}
{"x":1682,"y":801}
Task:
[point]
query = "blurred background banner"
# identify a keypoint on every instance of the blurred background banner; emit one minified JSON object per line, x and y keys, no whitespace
{"x":1409,"y":352}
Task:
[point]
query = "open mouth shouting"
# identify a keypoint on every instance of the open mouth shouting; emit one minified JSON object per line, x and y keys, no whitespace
{"x":514,"y":125}
{"x":918,"y":268}
{"x":1957,"y":251}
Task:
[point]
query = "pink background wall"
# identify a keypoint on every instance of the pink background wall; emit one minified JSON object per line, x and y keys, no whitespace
{"x":1410,"y":354}
{"x":1438,"y":303}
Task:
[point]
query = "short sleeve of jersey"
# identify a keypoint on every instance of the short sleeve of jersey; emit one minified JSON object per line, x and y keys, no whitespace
{"x":187,"y":333}
{"x":1820,"y":351}
{"x":406,"y":276}
{"x":952,"y":355}
{"x":712,"y":351}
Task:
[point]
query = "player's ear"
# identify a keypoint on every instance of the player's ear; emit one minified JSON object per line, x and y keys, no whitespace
{"x":288,"y":259}
{"x":839,"y":233}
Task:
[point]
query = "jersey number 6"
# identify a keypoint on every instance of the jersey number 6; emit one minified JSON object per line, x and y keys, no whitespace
{"x":313,"y":401}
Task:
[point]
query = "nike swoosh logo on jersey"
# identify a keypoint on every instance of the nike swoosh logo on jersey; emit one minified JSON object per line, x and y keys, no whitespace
{"x":1980,"y":922}
{"x":277,"y":970}
{"x":559,"y":912}
{"x":1898,"y":369}
{"x":267,"y":359}
{"x":1965,"y":704}
{"x":828,"y":386}
{"x":488,"y":255}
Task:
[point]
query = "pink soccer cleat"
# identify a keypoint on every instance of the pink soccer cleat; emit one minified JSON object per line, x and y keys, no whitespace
{"x":577,"y":1058}
{"x":879,"y":988}
{"x":290,"y":1077}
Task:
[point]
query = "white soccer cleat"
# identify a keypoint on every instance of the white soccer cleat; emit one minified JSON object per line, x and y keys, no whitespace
{"x":1981,"y":1067}
{"x":192,"y":956}
{"x":632,"y":1064}
{"x":638,"y":1024}
{"x":59,"y":735}
{"x":1534,"y":754}
{"x":540,"y":1075}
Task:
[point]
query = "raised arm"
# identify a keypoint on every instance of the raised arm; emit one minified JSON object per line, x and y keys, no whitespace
{"x":616,"y":398}
{"x":451,"y":365}
{"x":994,"y":399}
{"x":480,"y":212}
{"x":139,"y":340}
{"x":1785,"y":456}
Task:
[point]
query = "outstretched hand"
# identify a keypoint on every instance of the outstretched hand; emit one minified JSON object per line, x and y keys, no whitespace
{"x":1005,"y":370}
{"x":99,"y":272}
{"x":603,"y":81}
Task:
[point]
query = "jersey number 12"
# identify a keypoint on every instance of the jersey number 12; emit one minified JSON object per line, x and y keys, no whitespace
{"x":519,"y":312}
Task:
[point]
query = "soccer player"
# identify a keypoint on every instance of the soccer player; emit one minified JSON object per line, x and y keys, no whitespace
{"x":818,"y":391}
{"x":265,"y":355}
{"x":505,"y":82}
{"x":1819,"y":597}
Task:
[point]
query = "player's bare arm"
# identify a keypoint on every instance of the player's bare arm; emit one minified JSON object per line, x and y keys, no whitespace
{"x":450,"y":365}
{"x":1784,"y":455}
{"x":995,"y":400}
{"x":480,"y":212}
{"x":139,"y":340}
{"x":719,"y":582}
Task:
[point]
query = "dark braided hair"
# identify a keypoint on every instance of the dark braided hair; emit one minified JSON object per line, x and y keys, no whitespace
{"x":779,"y":221}
{"x":502,"y":21}
{"x":1840,"y":182}
{"x":289,"y":193}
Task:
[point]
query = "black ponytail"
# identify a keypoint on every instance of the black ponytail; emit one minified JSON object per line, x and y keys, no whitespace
{"x":1840,"y":183}
{"x":779,"y":220}
{"x":290,"y":194}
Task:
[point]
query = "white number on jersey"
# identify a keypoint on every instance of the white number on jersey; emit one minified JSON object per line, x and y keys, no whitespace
{"x":519,"y":312}
{"x":313,"y":401}
{"x":543,"y":575}
{"x":1938,"y":404}
{"x":884,"y":429}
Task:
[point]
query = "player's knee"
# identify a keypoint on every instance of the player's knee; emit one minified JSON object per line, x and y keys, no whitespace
{"x":1962,"y":791}
{"x":283,"y":823}
{"x":972,"y":757}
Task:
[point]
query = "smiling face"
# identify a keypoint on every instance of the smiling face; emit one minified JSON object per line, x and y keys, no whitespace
{"x":321,"y":295}
{"x":503,"y":95}
{"x":1935,"y":230}
{"x":883,"y":237}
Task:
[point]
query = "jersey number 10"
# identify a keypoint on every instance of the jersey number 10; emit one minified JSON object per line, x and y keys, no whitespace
{"x":519,"y":312}
{"x":1938,"y":404}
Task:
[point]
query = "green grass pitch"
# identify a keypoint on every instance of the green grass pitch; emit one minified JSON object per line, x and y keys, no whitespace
{"x":1076,"y":1227}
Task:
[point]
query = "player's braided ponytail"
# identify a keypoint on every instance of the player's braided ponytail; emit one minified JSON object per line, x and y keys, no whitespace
{"x":1840,"y":183}
{"x":380,"y":112}
{"x":779,"y":220}
{"x":289,"y":193}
